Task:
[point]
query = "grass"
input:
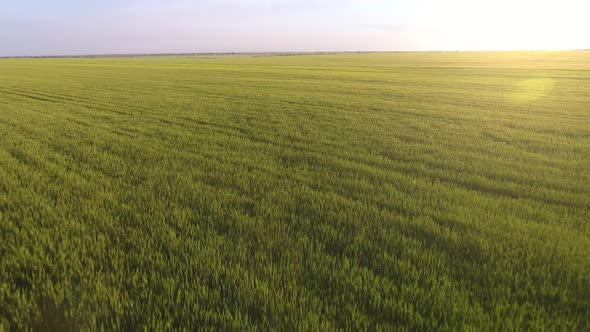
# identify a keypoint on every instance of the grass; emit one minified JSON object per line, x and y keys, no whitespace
{"x":430,"y":191}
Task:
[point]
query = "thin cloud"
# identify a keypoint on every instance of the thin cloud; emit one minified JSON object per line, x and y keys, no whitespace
{"x":387,"y":27}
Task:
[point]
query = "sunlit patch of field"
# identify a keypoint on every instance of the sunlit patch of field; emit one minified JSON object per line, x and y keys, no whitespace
{"x":431,"y":191}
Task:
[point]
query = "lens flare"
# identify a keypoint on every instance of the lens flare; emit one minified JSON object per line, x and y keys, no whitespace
{"x":531,"y":90}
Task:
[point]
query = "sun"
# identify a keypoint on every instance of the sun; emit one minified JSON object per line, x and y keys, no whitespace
{"x":527,"y":24}
{"x":510,"y":24}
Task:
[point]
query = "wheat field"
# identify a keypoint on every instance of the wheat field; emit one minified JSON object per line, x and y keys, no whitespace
{"x":410,"y":191}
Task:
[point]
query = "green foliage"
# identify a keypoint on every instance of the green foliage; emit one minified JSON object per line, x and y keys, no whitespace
{"x":432,"y":191}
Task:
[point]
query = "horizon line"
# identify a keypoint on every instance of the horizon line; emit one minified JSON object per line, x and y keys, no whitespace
{"x":274,"y":53}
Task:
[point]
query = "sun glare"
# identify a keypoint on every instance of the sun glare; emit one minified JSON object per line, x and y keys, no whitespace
{"x":506,"y":25}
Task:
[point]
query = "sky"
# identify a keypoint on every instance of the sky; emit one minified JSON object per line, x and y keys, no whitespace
{"x":75,"y":27}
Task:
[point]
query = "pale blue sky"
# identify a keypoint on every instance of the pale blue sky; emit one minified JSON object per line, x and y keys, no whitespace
{"x":63,"y":27}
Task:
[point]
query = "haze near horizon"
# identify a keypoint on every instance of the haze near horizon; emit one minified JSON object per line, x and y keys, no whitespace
{"x":66,"y":27}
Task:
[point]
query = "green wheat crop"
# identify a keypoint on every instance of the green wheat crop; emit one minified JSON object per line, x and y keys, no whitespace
{"x":412,"y":191}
